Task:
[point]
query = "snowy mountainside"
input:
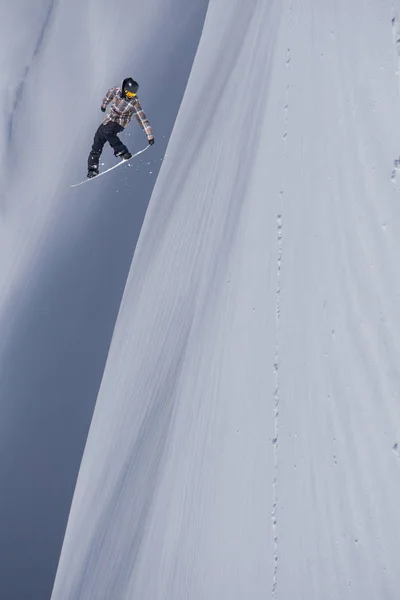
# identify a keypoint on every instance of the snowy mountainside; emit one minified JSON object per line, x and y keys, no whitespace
{"x":244,"y":442}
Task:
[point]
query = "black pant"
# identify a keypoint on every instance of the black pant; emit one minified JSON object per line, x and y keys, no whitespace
{"x":106,"y":133}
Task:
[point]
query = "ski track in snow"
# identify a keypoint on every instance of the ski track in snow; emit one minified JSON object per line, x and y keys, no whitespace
{"x":279,"y":240}
{"x":396,"y":42}
{"x":275,"y":440}
{"x":20,"y":88}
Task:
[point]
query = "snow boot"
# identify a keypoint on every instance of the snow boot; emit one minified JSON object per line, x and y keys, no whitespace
{"x":125,"y":155}
{"x":92,"y":172}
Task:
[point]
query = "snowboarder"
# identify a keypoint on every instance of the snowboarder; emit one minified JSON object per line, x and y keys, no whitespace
{"x":125,"y":105}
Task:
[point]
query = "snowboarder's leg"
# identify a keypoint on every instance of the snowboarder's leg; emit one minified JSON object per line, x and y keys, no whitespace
{"x":97,"y":148}
{"x":111,"y":132}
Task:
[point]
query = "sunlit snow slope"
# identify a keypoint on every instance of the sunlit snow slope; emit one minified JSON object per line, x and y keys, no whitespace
{"x":244,"y":442}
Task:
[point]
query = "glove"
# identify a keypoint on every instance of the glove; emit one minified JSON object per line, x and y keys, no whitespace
{"x":103,"y":109}
{"x":151,"y":141}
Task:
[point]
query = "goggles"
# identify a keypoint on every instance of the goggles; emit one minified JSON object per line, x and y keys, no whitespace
{"x":130,"y":94}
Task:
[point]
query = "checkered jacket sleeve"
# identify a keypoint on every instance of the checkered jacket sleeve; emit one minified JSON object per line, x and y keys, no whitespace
{"x":143,"y":121}
{"x":109,"y":96}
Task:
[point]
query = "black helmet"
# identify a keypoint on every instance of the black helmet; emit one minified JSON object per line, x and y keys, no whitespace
{"x":129,"y":87}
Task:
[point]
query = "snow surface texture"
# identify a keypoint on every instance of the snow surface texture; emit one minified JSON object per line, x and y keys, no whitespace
{"x":65,"y":254}
{"x":245,"y":439}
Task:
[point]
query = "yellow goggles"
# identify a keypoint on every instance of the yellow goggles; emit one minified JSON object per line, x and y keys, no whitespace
{"x":130,"y":94}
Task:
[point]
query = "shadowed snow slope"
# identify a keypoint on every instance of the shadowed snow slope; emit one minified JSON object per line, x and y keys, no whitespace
{"x":244,"y":442}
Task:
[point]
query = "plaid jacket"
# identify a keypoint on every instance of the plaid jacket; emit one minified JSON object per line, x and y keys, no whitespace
{"x":122,"y":110}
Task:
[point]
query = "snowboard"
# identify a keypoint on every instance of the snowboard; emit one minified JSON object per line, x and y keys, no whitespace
{"x":121,"y":162}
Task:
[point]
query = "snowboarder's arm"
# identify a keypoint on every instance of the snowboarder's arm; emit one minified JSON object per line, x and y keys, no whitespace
{"x":143,"y":121}
{"x":108,"y":97}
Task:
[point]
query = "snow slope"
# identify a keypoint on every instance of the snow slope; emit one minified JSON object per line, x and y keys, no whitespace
{"x":244,"y":442}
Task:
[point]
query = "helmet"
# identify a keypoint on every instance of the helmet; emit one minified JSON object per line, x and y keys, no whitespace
{"x":129,"y":88}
